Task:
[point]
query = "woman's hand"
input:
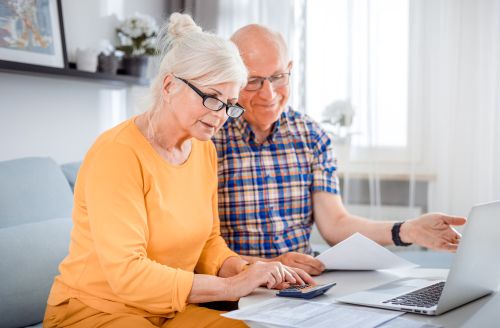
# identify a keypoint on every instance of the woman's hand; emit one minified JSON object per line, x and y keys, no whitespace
{"x":269,"y":274}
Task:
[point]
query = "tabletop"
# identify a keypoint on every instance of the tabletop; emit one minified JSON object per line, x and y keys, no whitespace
{"x":484,"y":312}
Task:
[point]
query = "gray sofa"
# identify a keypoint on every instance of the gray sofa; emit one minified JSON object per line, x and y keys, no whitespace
{"x":36,"y":201}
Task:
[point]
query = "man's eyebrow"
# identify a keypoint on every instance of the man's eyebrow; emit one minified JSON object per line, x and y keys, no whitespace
{"x":279,"y":72}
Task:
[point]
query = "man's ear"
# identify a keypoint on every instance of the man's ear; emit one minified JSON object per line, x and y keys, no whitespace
{"x":168,"y":84}
{"x":290,"y":65}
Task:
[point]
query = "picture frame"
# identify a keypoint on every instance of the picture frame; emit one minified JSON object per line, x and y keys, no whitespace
{"x":32,"y":32}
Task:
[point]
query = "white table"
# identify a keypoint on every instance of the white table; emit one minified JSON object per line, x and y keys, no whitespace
{"x":484,"y":312}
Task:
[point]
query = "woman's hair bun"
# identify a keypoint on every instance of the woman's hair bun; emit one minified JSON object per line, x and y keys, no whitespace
{"x":180,"y":25}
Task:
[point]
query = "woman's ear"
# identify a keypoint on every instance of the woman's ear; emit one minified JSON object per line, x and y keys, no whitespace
{"x":168,"y":83}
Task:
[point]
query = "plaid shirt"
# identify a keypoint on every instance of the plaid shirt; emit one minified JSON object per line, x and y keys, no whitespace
{"x":265,"y":204}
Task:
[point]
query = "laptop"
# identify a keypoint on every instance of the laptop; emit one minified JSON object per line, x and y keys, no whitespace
{"x":475,"y":272}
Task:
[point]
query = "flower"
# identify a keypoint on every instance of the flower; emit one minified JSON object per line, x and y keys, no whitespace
{"x":137,"y":34}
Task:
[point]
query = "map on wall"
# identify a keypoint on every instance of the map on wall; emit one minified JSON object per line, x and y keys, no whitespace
{"x":30,"y":32}
{"x":25,"y":25}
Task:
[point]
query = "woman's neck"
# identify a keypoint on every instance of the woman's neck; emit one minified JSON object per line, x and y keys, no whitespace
{"x":164,"y":135}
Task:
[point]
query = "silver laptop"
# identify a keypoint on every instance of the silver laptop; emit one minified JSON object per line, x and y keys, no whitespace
{"x":475,"y":272}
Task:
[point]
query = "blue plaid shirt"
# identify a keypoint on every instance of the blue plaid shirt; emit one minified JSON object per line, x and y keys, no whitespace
{"x":265,"y":203}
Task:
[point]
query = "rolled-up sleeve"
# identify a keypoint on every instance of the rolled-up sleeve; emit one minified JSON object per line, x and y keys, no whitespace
{"x":324,"y":166}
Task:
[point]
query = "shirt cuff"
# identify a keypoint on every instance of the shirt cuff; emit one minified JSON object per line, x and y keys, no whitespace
{"x":184,"y":285}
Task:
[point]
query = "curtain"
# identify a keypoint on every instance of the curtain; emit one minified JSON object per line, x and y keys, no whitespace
{"x":453,"y":90}
{"x":456,"y":66}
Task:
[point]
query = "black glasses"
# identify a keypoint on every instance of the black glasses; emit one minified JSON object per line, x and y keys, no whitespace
{"x":277,"y":80}
{"x":216,"y":104}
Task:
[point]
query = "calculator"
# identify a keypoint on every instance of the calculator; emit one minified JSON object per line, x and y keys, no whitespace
{"x":305,"y":291}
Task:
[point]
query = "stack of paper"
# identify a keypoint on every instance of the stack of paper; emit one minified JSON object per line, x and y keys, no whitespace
{"x":301,"y":313}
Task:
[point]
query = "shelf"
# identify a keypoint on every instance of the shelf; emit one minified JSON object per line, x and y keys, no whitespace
{"x":69,"y":73}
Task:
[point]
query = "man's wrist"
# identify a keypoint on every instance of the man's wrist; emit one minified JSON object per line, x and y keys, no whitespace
{"x":399,"y":234}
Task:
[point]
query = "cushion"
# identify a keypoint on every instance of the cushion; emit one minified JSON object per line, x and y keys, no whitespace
{"x":30,"y":256}
{"x":33,"y":189}
{"x":70,"y":170}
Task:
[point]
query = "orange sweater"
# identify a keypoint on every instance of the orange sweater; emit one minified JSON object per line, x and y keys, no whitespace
{"x":142,"y":227}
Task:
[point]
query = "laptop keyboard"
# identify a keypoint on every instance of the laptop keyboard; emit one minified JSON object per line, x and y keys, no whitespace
{"x":425,"y":297}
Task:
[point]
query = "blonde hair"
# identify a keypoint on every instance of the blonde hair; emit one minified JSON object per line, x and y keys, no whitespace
{"x":192,"y":54}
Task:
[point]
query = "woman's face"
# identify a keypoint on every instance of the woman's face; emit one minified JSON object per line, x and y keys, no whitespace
{"x":192,"y":116}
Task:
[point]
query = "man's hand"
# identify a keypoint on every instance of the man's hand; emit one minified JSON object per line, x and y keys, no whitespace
{"x":433,"y":230}
{"x":302,"y":261}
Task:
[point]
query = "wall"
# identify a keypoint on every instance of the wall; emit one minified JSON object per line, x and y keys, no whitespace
{"x":41,"y":116}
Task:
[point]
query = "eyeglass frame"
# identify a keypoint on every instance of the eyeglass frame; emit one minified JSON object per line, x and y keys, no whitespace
{"x":270,"y":79}
{"x":205,"y":96}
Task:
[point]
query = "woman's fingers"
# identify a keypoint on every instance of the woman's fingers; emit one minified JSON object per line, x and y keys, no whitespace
{"x":304,"y":276}
{"x":297,"y":279}
{"x":271,"y":281}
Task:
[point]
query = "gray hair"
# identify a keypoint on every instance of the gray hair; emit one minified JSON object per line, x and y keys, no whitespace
{"x":190,"y":53}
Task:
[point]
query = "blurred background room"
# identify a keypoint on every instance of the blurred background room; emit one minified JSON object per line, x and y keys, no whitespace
{"x":410,"y":89}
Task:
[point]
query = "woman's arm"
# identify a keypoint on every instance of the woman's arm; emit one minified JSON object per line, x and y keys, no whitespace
{"x":208,"y":288}
{"x":232,"y":266}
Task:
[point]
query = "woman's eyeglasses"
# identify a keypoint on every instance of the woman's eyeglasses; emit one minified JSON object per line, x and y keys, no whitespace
{"x":216,"y":104}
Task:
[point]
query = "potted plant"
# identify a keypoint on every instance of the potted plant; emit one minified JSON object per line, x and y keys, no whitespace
{"x":136,"y":37}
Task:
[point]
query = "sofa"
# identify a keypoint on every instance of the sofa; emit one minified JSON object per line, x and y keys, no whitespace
{"x":36,"y":201}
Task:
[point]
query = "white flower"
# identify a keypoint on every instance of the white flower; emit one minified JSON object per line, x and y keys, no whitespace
{"x":124,"y":40}
{"x":139,"y":32}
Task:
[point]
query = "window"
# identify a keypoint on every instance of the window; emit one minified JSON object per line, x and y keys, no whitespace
{"x":357,"y":57}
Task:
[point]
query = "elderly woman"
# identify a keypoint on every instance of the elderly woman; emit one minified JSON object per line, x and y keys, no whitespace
{"x":146,"y":243}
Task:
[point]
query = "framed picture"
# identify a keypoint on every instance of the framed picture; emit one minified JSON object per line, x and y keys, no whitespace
{"x":31,"y":32}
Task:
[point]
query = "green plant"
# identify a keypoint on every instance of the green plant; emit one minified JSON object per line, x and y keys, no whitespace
{"x":137,"y":35}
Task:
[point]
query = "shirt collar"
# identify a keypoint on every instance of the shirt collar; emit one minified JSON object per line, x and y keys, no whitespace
{"x":248,"y":135}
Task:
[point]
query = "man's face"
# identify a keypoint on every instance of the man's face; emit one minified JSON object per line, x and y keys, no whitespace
{"x":265,"y":105}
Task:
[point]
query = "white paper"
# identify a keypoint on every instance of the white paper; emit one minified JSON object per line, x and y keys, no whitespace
{"x":300,"y":313}
{"x":360,"y":253}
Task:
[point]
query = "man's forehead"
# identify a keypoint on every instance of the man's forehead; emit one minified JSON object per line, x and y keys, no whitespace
{"x":264,"y":63}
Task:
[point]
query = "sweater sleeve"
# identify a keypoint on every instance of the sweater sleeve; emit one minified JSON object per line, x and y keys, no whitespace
{"x":117,"y":214}
{"x":215,"y":251}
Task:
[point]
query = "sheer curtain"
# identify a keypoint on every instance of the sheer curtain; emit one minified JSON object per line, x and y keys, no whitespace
{"x":427,"y":105}
{"x":457,"y":90}
{"x":358,"y":62}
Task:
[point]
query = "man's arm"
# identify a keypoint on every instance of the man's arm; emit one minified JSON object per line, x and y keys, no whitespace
{"x":336,"y":224}
{"x":432,"y":230}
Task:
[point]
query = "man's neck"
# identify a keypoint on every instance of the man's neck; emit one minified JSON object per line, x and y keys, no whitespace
{"x":261,"y":133}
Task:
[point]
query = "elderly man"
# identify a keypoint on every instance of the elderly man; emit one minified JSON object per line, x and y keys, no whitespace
{"x":278,"y":176}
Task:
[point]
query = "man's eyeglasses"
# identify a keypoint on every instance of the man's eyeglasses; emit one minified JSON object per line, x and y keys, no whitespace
{"x":278,"y":80}
{"x":216,"y":104}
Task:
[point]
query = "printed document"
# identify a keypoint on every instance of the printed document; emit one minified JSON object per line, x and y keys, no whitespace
{"x":300,"y":313}
{"x":360,"y":253}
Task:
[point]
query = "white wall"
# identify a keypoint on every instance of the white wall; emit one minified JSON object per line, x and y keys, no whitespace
{"x":60,"y":118}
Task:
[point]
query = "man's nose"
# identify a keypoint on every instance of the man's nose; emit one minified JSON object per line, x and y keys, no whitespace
{"x":267,"y":90}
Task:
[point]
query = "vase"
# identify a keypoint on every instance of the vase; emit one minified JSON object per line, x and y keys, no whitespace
{"x":136,"y":65}
{"x":107,"y":63}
